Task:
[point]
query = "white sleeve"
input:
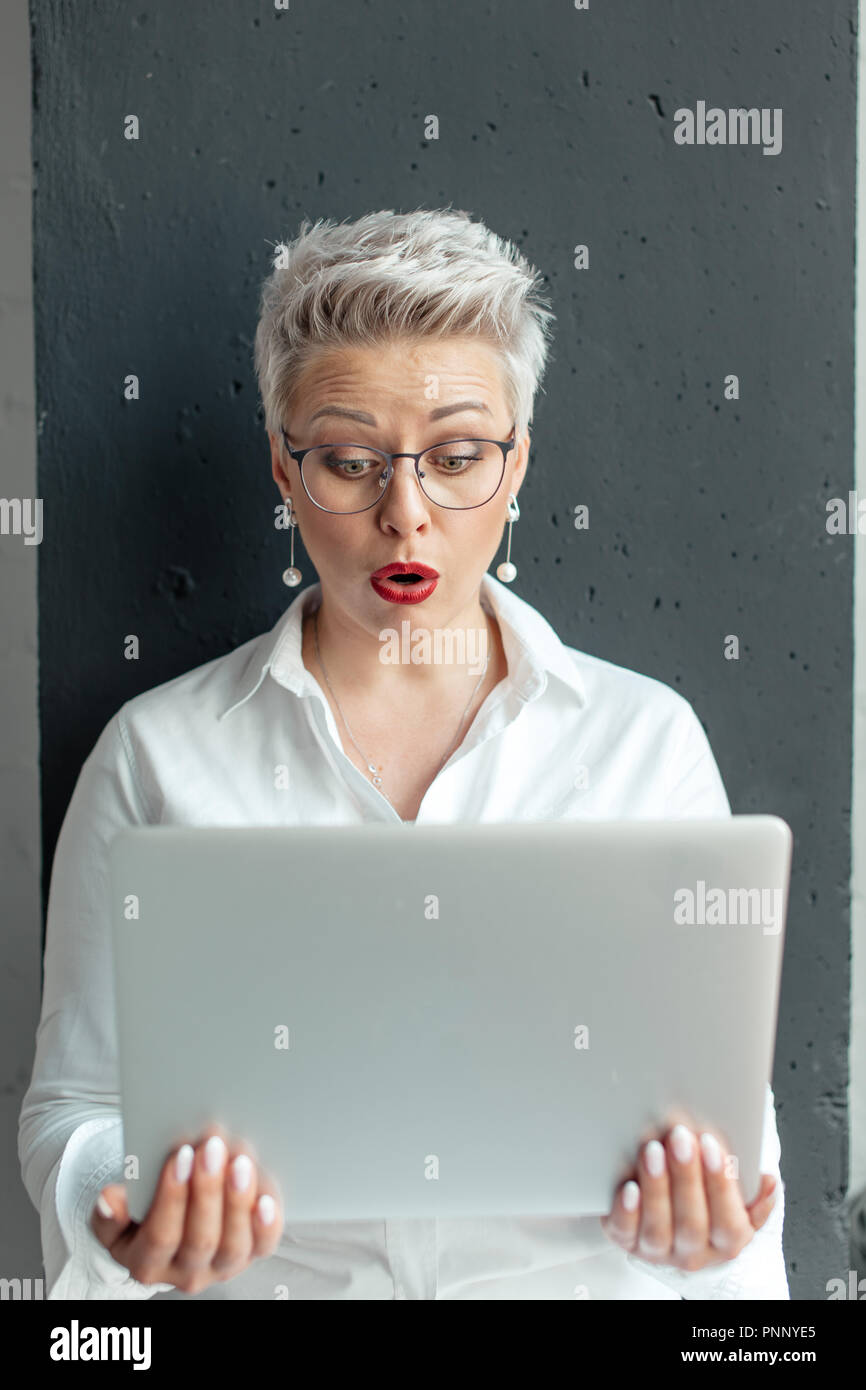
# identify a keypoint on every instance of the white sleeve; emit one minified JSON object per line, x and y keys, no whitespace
{"x":92,"y":1158}
{"x":693,"y":783}
{"x":759,"y":1269}
{"x":70,"y":1141}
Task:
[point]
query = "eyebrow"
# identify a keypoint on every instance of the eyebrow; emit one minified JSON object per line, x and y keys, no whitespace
{"x":365,"y":418}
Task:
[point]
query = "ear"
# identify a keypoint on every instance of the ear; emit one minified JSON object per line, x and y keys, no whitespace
{"x":279,"y":461}
{"x":520,"y":467}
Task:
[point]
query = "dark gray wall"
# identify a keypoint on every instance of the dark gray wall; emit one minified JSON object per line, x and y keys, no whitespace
{"x":707,"y":515}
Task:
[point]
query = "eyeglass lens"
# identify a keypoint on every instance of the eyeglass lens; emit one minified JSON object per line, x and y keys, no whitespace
{"x":350,"y":477}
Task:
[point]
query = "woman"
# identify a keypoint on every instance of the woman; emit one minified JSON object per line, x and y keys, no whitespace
{"x":398,"y":358}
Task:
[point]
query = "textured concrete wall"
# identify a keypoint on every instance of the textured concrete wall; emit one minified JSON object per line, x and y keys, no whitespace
{"x":557,"y":129}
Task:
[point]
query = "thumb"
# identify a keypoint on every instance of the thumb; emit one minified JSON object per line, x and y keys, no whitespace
{"x":110,"y":1213}
{"x":760,"y":1208}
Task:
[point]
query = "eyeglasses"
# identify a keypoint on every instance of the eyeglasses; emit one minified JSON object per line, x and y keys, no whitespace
{"x":458,"y":474}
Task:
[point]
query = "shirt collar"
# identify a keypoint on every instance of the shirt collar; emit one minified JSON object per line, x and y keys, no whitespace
{"x":531,"y":646}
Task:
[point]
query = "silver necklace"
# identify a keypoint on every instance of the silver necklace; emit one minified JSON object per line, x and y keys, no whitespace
{"x":375,"y":773}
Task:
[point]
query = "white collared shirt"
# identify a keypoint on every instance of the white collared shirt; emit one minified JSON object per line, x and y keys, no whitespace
{"x":564,"y":736}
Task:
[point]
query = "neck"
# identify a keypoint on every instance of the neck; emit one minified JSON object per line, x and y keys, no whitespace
{"x":449,"y":659}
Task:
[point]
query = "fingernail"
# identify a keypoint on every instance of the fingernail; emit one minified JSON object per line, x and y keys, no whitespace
{"x":654,"y":1157}
{"x":266,"y":1208}
{"x":630,"y":1196}
{"x":183,"y":1162}
{"x":104,"y":1207}
{"x":242,"y":1172}
{"x":712,"y":1152}
{"x":681,"y":1143}
{"x":214,"y":1154}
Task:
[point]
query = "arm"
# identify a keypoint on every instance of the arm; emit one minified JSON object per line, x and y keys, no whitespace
{"x":70,"y":1142}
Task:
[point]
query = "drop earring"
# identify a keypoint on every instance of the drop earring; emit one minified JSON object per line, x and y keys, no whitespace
{"x":291,"y":576}
{"x":506,"y":571}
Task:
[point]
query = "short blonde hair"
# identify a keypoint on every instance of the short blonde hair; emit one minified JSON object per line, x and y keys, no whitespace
{"x":428,"y":273}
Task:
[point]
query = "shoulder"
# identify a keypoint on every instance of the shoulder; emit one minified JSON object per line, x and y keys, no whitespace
{"x":198,"y":696}
{"x":625,"y":695}
{"x":652,"y":735}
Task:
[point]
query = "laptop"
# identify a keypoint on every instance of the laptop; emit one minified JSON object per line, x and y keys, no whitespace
{"x":447,"y":1020}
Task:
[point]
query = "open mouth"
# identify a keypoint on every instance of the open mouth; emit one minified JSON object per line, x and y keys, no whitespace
{"x":410,"y":586}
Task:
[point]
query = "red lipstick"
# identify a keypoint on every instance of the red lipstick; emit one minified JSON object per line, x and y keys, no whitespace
{"x":410,"y":590}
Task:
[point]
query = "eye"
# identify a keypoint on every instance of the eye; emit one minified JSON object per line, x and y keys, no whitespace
{"x":460,"y":461}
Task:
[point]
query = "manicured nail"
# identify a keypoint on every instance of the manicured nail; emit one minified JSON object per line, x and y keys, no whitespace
{"x":104,"y":1207}
{"x":630,"y":1196}
{"x":183,"y":1162}
{"x":266,"y":1208}
{"x":681,"y":1143}
{"x":711,"y":1150}
{"x":654,"y":1157}
{"x":214,"y":1154}
{"x":241,"y":1172}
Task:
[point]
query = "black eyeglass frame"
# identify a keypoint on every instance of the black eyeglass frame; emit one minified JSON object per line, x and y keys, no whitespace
{"x":299,"y":455}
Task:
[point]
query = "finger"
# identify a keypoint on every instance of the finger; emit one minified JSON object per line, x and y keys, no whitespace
{"x":202,"y":1230}
{"x":153,"y":1244}
{"x":241,"y":1190}
{"x":688,"y":1199}
{"x":623,"y":1221}
{"x":730,"y":1228}
{"x":760,"y":1207}
{"x":267,"y":1221}
{"x":656,"y":1222}
{"x":110,"y":1215}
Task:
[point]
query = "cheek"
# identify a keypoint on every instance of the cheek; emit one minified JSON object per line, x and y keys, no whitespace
{"x":328,"y":538}
{"x":478,"y":540}
{"x":493,"y":532}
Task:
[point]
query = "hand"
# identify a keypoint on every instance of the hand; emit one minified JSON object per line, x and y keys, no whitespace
{"x":209,"y":1218}
{"x":684,"y":1210}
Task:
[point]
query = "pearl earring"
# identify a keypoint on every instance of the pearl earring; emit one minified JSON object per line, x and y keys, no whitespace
{"x":291,"y":576}
{"x":506,"y":571}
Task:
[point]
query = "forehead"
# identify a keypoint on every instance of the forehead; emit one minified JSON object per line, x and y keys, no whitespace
{"x":409,"y":374}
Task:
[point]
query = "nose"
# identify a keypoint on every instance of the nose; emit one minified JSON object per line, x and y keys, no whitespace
{"x":405,"y":504}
